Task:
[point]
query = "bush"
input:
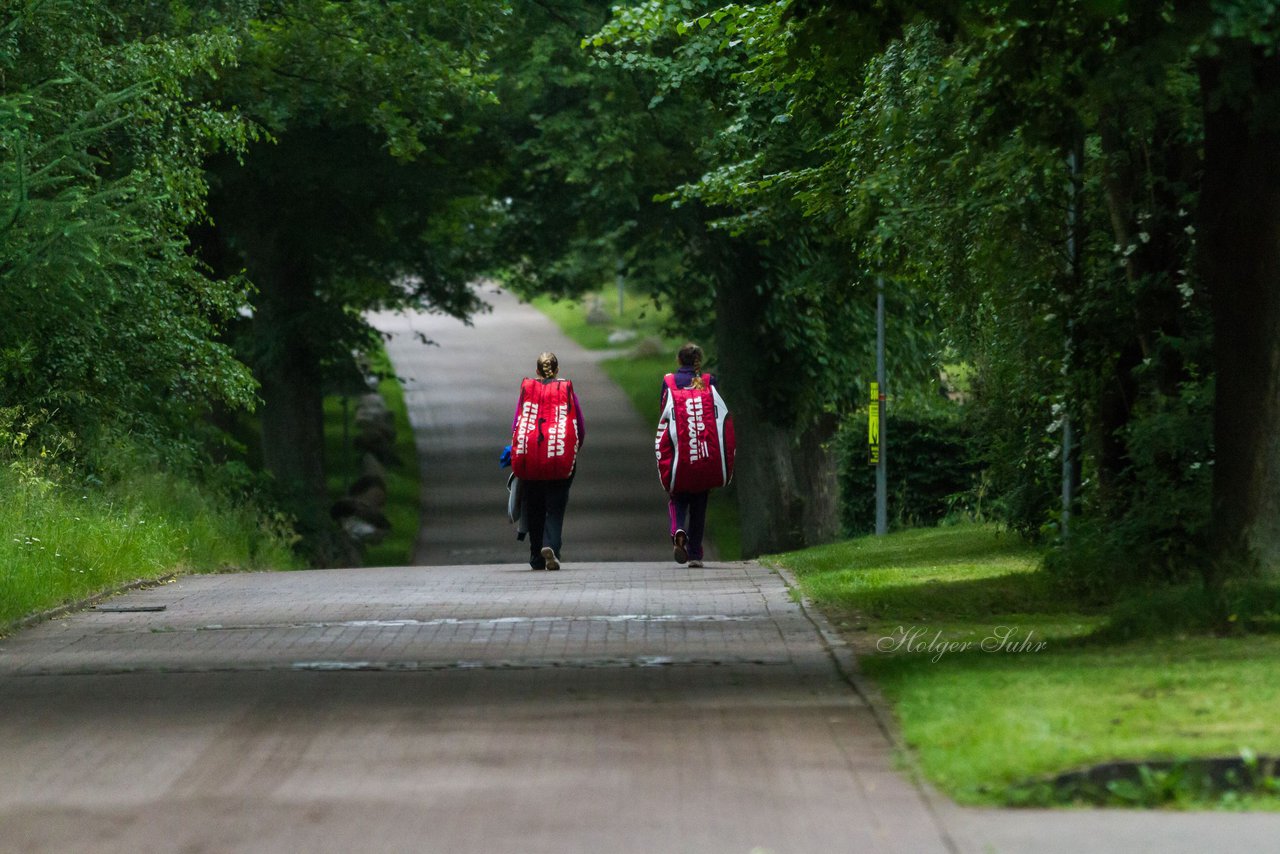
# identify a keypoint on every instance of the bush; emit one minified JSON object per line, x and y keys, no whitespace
{"x":933,"y":471}
{"x":1155,"y":529}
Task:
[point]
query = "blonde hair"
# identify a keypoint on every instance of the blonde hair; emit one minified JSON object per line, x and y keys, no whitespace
{"x":548,"y":366}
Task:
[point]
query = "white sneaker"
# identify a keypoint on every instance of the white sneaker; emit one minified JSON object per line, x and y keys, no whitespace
{"x":695,"y":564}
{"x":549,"y":555}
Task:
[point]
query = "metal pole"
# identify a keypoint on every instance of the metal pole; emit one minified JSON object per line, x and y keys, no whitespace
{"x":882,"y":479}
{"x":1073,"y":264}
{"x":620,"y":289}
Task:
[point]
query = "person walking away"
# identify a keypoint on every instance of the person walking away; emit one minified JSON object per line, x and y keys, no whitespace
{"x":688,"y":507}
{"x":547,"y":430}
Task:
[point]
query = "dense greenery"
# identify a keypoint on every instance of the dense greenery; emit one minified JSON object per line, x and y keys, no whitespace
{"x":1075,"y":202}
{"x":937,"y":475}
{"x":107,"y":323}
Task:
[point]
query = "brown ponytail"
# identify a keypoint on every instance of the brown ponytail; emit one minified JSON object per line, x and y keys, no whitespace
{"x":690,"y":356}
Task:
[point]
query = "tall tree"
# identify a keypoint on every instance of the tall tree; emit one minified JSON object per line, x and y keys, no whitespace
{"x":366,"y":191}
{"x":1121,"y":76}
{"x":1239,"y":69}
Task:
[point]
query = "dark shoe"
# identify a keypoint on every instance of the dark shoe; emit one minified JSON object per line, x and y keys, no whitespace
{"x":549,"y":555}
{"x":681,"y":539}
{"x":535,"y":567}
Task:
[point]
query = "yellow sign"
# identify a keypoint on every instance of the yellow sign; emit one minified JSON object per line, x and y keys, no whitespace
{"x":873,"y":427}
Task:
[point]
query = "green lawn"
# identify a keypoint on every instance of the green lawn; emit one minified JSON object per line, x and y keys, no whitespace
{"x":997,"y":680}
{"x":638,"y":370}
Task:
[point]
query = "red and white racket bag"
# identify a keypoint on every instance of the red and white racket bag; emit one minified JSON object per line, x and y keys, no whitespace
{"x":695,"y":442}
{"x":545,"y":443}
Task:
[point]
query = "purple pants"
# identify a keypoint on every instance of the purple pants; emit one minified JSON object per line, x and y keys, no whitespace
{"x":688,"y":510}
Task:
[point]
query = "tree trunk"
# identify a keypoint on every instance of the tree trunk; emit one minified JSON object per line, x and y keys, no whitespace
{"x":1240,"y":257}
{"x":1141,"y":177}
{"x":292,"y":411}
{"x":785,"y":473}
{"x":787,"y":493}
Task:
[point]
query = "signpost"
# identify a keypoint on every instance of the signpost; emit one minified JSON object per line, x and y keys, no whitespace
{"x":877,"y":408}
{"x":873,"y":426}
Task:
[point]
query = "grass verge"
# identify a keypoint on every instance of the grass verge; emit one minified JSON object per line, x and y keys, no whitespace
{"x":998,"y":681}
{"x":60,"y":544}
{"x":638,"y":370}
{"x":404,"y":496}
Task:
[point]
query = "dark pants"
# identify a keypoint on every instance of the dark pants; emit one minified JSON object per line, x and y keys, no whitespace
{"x":689,"y":511}
{"x":544,"y":504}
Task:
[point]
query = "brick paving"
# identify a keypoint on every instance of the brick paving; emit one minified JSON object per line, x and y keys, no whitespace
{"x":429,"y":619}
{"x":608,"y":707}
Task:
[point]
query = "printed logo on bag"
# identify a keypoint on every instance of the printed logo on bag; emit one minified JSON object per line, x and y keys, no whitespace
{"x":555,"y":435}
{"x":698,"y":448}
{"x":528,"y":417}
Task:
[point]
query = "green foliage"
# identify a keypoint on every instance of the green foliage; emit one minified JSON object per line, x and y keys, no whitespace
{"x":934,"y":472}
{"x":753,"y":168}
{"x":371,"y":188}
{"x":64,"y":536}
{"x":1242,"y":782}
{"x":1236,"y":608}
{"x":1162,"y":536}
{"x":654,"y":131}
{"x":934,"y":141}
{"x":107,"y":321}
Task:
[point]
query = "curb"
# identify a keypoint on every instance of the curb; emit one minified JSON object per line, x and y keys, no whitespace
{"x":846,"y":665}
{"x":83,"y":604}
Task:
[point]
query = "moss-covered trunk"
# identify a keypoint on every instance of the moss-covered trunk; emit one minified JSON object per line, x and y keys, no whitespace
{"x":786,"y":470}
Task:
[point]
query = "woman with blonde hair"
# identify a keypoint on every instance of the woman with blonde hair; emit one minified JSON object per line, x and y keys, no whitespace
{"x":547,"y":431}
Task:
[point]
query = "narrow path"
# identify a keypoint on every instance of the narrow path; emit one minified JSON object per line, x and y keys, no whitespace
{"x":461,"y":392}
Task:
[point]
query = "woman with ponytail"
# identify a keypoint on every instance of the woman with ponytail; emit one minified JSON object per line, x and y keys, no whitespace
{"x":688,"y":510}
{"x":547,"y":431}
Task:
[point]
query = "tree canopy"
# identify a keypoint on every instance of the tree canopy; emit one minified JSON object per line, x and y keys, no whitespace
{"x":1073,"y":203}
{"x":107,"y":322}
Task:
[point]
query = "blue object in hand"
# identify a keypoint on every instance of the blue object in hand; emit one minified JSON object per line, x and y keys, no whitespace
{"x":505,"y":460}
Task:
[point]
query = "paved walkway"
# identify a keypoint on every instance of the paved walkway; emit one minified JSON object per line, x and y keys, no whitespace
{"x":626,"y":707}
{"x":461,"y":393}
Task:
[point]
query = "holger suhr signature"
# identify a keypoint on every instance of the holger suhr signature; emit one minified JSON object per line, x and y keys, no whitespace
{"x":918,"y":639}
